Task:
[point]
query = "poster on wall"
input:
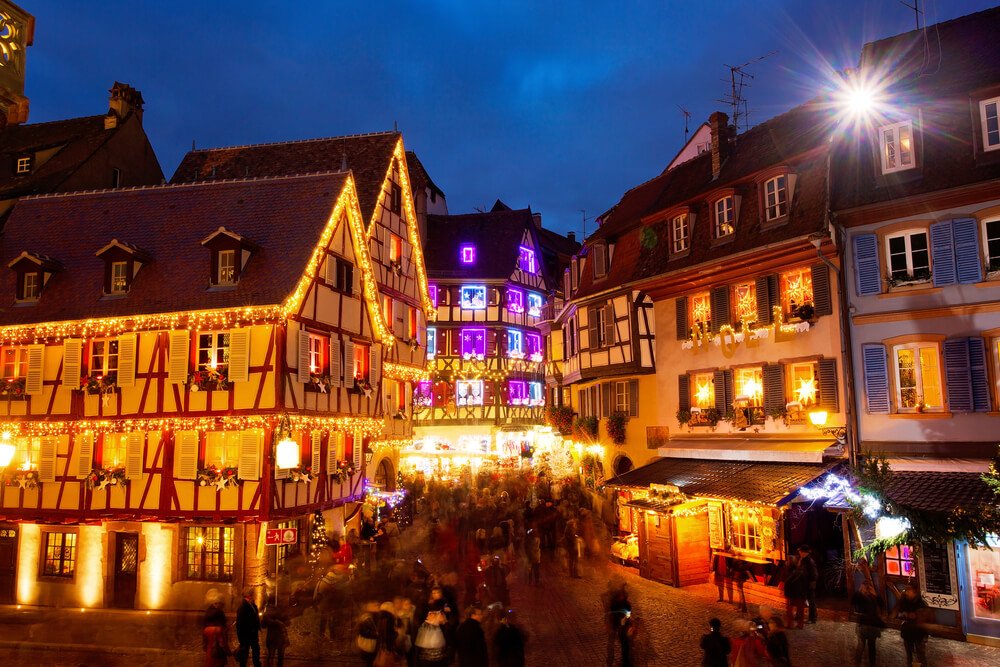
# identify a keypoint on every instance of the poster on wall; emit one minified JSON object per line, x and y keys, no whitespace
{"x":938,"y":579}
{"x":716,"y":534}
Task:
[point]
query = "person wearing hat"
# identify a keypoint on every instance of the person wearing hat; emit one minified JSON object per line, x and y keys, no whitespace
{"x":470,"y":640}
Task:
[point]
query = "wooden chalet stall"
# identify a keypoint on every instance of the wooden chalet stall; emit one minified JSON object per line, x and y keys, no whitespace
{"x":170,"y":337}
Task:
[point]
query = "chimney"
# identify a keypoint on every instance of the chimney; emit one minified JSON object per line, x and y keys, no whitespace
{"x":124,"y":100}
{"x":537,"y":219}
{"x":718,"y":123}
{"x":571,"y":236}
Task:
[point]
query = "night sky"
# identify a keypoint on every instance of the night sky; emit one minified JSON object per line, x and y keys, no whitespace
{"x":542,"y":104}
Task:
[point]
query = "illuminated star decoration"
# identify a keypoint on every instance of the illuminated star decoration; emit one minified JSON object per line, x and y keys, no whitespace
{"x":806,"y":393}
{"x":703,"y":394}
{"x":220,"y":483}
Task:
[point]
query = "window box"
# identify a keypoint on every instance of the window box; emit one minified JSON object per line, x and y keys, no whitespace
{"x":344,"y":471}
{"x":219,"y":477}
{"x":319,"y":383}
{"x":101,"y":477}
{"x":210,"y":380}
{"x":13,"y":389}
{"x":301,"y":474}
{"x":24,"y":479}
{"x":99,"y":384}
{"x":918,"y":277}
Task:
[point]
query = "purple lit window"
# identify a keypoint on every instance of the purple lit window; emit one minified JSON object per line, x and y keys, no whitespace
{"x":515,"y":300}
{"x":535,"y":303}
{"x":533,"y":345}
{"x":518,"y":392}
{"x":423,"y":397}
{"x":474,"y":297}
{"x":432,"y":292}
{"x":526,"y":260}
{"x":468,"y":253}
{"x":474,"y":343}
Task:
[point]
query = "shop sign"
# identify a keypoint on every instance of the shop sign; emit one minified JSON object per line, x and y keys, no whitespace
{"x":716,"y":533}
{"x":938,"y":581}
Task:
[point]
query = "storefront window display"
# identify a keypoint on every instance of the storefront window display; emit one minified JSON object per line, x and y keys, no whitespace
{"x":984,"y":577}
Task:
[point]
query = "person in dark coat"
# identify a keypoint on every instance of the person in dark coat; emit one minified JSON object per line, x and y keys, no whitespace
{"x":248,"y":630}
{"x":811,"y":571}
{"x":470,"y":640}
{"x":275,"y":621}
{"x":911,"y":610}
{"x":777,"y":643}
{"x":509,"y":642}
{"x":715,"y":646}
{"x":620,"y":625}
{"x":868,"y":607}
{"x":796,"y":586}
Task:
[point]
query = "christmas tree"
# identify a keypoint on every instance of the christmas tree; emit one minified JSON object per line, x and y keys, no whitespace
{"x":319,"y":542}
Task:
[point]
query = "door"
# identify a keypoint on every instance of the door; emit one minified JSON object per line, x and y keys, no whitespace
{"x":126,"y":569}
{"x":8,"y":564}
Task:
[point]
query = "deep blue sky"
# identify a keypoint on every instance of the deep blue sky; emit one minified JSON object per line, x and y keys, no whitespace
{"x":558,"y":105}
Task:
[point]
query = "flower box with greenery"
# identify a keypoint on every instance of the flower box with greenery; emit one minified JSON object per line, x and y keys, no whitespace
{"x":218,"y":477}
{"x":592,"y":471}
{"x":13,"y":389}
{"x":396,"y":266}
{"x":25,"y":479}
{"x":586,"y":427}
{"x":101,"y":477}
{"x":209,"y":379}
{"x":99,"y":384}
{"x":319,"y":383}
{"x":805,"y":312}
{"x":300,"y":473}
{"x":918,"y":277}
{"x":779,"y":414}
{"x":683,"y":417}
{"x":362,"y":386}
{"x":343,"y":472}
{"x":617,"y":422}
{"x":560,"y":417}
{"x":413,"y":342}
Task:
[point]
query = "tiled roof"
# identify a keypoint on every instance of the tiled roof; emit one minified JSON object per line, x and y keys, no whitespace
{"x":419,"y":175}
{"x":770,"y":483}
{"x":78,"y":137}
{"x":963,"y":57}
{"x":939,"y":491}
{"x":497,"y":236}
{"x":368,"y":156}
{"x":284,"y":216}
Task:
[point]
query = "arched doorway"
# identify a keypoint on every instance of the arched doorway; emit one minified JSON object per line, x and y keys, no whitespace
{"x":385,"y":478}
{"x":622,"y":464}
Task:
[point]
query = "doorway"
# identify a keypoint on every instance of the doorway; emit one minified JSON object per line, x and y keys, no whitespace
{"x":8,"y":564}
{"x":126,"y":569}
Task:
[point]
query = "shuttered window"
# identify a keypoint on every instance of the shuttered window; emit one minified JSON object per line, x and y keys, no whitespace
{"x":239,"y":355}
{"x":128,"y":356}
{"x":723,"y":388}
{"x":185,"y":454}
{"x":683,"y":329}
{"x":774,"y":388}
{"x":868,"y":278}
{"x":720,"y":308}
{"x":33,"y":381}
{"x":955,"y":252}
{"x":876,"y":375}
{"x":829,"y":395}
{"x":797,"y":292}
{"x":177,"y":372}
{"x":684,"y":392}
{"x":767,"y":297}
{"x":84,"y":454}
{"x":966,"y":376}
{"x":822,"y":296}
{"x":917,"y":368}
{"x":72,"y":362}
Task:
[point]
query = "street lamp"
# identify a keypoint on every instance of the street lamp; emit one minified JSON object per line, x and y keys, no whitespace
{"x":818,"y":419}
{"x":7,"y":449}
{"x":287,"y":450}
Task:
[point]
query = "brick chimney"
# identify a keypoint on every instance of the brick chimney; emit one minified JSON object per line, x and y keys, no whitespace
{"x":571,"y":236}
{"x":124,"y":100}
{"x":718,"y":123}
{"x":537,"y":219}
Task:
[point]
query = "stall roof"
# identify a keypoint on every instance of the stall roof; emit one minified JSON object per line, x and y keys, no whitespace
{"x":787,"y":450}
{"x":939,"y":491}
{"x":662,"y":506}
{"x":770,"y":483}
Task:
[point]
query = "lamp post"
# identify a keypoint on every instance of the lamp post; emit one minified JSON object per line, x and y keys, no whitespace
{"x":818,"y":419}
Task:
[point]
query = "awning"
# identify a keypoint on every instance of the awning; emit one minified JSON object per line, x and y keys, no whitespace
{"x":663,"y":506}
{"x":939,"y":491}
{"x":768,"y":483}
{"x":773,"y":450}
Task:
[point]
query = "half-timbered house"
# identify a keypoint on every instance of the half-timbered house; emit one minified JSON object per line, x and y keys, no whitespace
{"x":389,"y":209}
{"x":490,"y":283}
{"x":157,"y":345}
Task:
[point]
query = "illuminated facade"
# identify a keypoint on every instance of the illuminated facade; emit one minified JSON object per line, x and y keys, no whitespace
{"x":486,"y":391}
{"x":145,"y":407}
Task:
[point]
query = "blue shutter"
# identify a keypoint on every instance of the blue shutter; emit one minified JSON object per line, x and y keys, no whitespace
{"x":866,"y":269}
{"x":958,"y":375}
{"x":876,"y":378}
{"x":965,"y":232}
{"x":980,"y":378}
{"x":942,"y":254}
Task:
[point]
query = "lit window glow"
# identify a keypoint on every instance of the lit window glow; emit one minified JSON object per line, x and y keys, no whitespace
{"x":526,"y":260}
{"x":473,"y":297}
{"x":535,"y":303}
{"x":515,"y":300}
{"x":469,"y":392}
{"x":473,"y":343}
{"x":468,"y":253}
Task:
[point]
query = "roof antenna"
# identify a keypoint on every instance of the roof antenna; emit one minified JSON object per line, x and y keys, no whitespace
{"x":192,"y":145}
{"x":583,"y":215}
{"x":687,"y":117}
{"x":739,"y":79}
{"x":917,"y":12}
{"x":395,"y":126}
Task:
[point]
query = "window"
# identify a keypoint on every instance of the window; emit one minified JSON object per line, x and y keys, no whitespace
{"x":467,"y":253}
{"x":30,"y":286}
{"x":681,"y":233}
{"x":749,"y":386}
{"x":601,"y":315}
{"x":15,"y":363}
{"x":473,"y":343}
{"x":116,"y":177}
{"x":24,"y":164}
{"x":227,"y":267}
{"x":899,"y":561}
{"x":474,"y":297}
{"x":387,"y":311}
{"x":776,"y":197}
{"x":701,"y":309}
{"x":536,"y":393}
{"x":908,"y":256}
{"x":317,"y":349}
{"x":113,"y":449}
{"x":518,"y":392}
{"x":104,"y":357}
{"x":804,"y":384}
{"x":431,"y":342}
{"x":745,"y":301}
{"x":411,"y":323}
{"x":744,"y":530}
{"x":724,"y":214}
{"x":796,"y":291}
{"x":395,"y":248}
{"x":222,"y":448}
{"x":702,"y":389}
{"x":526,"y":260}
{"x":362,"y":361}
{"x":213,"y":351}
{"x":620,"y":398}
{"x":535,"y":304}
{"x":432,"y":292}
{"x":60,"y":554}
{"x":918,"y":377}
{"x":896,"y":146}
{"x":396,"y":201}
{"x":533,"y":346}
{"x":469,"y":392}
{"x":991,"y":239}
{"x":207,"y":552}
{"x":991,"y":123}
{"x":515,"y":344}
{"x":600,"y":255}
{"x":119,"y":277}
{"x":28,"y":452}
{"x":515,"y":300}
{"x":344,"y":277}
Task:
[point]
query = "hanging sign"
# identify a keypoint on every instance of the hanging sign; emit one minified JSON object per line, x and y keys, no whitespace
{"x":936,"y":567}
{"x":716,"y":534}
{"x":277,"y":536}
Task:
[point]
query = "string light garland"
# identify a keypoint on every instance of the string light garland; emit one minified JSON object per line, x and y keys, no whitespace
{"x":404,"y":372}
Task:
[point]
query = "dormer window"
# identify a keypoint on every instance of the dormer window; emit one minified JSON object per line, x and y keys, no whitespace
{"x":776,"y":197}
{"x":24,"y":164}
{"x":30,"y":287}
{"x":122,"y":262}
{"x":680,"y":233}
{"x":526,"y":260}
{"x":600,"y":253}
{"x":230,"y":254}
{"x":33,"y":272}
{"x":896,"y":147}
{"x":989,"y":116}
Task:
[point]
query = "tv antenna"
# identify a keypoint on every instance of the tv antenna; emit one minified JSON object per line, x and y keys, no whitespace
{"x":687,"y":118}
{"x":917,"y":12}
{"x":584,"y":219}
{"x":740,"y":78}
